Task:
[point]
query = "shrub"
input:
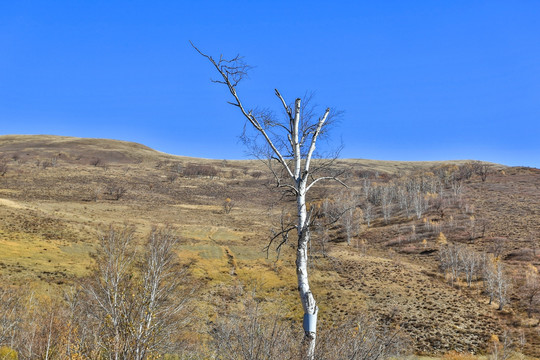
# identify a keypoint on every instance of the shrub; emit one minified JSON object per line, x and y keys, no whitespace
{"x":200,"y":170}
{"x":228,"y":205}
{"x":3,"y":167}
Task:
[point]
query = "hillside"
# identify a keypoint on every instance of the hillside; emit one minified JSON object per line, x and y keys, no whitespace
{"x":56,"y":193}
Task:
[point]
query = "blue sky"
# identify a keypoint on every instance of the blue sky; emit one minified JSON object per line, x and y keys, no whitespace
{"x":418,"y":80}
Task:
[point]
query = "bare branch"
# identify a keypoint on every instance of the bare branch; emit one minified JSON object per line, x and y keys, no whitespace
{"x":326,"y":178}
{"x":237,"y":74}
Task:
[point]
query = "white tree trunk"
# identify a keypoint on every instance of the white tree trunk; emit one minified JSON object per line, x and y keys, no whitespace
{"x":306,"y":296}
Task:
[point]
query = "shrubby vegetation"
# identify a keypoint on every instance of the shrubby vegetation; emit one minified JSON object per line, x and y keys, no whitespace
{"x":135,"y":305}
{"x":418,"y":215}
{"x":130,"y":307}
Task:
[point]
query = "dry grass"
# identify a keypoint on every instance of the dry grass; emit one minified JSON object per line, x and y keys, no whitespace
{"x":61,"y":208}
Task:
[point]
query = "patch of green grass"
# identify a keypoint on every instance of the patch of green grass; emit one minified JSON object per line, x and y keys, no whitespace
{"x":225,"y":235}
{"x":32,"y":254}
{"x":205,"y":251}
{"x":243,"y":252}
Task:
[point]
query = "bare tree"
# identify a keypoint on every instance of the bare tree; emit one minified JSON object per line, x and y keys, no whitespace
{"x":366,"y":185}
{"x":530,"y":290}
{"x":470,"y":263}
{"x":501,"y":348}
{"x":450,"y":261}
{"x":322,"y":237}
{"x":471,"y":226}
{"x":288,"y":148}
{"x":172,"y":176}
{"x":368,"y":213}
{"x":484,"y":171}
{"x":9,"y":316}
{"x":502,"y":285}
{"x":488,"y":273}
{"x":387,"y":203}
{"x":497,"y":246}
{"x":135,"y":314}
{"x":420,"y":203}
{"x":404,"y":200}
{"x":3,"y":167}
{"x":158,"y":303}
{"x":110,"y":291}
{"x":481,"y":169}
{"x":350,"y":216}
{"x":496,"y":281}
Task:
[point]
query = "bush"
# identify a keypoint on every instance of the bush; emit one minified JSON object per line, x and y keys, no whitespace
{"x":200,"y":170}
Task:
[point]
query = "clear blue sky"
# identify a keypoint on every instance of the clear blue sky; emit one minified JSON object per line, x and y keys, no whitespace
{"x":418,"y":80}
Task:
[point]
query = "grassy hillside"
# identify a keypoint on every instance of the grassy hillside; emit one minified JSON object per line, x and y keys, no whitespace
{"x":58,"y":192}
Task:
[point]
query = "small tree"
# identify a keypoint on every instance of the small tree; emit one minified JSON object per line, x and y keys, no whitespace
{"x":470,"y":262}
{"x":387,"y":203}
{"x":481,"y":169}
{"x":449,"y":257}
{"x":496,"y":281}
{"x":441,"y":239}
{"x":420,"y":203}
{"x":368,"y":213}
{"x":488,"y":274}
{"x":135,"y":305}
{"x":501,"y":348}
{"x":228,"y":205}
{"x":3,"y":167}
{"x":530,"y":290}
{"x":350,"y":216}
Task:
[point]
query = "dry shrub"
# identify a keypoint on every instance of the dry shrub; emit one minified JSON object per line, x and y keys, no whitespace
{"x":255,"y":334}
{"x":115,"y":191}
{"x":228,"y":205}
{"x":361,"y":338}
{"x":256,"y":174}
{"x":250,"y":334}
{"x":192,"y":170}
{"x":3,"y":167}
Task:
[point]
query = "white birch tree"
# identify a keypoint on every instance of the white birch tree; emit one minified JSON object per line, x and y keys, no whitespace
{"x":290,"y":144}
{"x":136,"y":306}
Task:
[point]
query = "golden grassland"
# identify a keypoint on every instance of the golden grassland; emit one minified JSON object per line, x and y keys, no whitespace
{"x":51,"y":217}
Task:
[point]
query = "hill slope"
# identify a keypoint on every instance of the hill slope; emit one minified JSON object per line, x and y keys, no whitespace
{"x":57,"y":192}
